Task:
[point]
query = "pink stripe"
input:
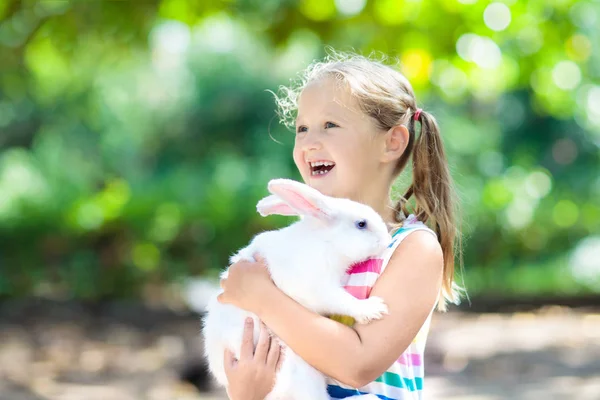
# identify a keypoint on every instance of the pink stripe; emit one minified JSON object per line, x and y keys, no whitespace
{"x":360,"y":292}
{"x":410,"y":359}
{"x":370,"y":265}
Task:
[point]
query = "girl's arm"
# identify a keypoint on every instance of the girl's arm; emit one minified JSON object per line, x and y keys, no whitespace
{"x":355,"y":356}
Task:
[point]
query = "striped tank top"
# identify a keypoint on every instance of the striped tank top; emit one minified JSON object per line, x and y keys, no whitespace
{"x":404,"y":379}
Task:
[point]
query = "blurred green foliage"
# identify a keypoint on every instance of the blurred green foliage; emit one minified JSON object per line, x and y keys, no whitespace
{"x":137,"y":136}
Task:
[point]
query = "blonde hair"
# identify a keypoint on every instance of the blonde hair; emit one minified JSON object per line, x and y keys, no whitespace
{"x":387,"y":97}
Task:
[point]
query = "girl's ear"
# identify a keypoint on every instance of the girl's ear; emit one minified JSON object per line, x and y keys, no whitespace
{"x":273,"y":205}
{"x":396,"y":141}
{"x":301,"y":198}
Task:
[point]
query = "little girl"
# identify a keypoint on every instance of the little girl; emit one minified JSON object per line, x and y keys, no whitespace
{"x":356,"y":125}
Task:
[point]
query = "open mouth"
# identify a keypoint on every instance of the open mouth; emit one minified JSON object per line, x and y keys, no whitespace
{"x":319,"y":168}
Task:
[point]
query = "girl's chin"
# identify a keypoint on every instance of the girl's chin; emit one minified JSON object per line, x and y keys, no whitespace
{"x":324,"y":186}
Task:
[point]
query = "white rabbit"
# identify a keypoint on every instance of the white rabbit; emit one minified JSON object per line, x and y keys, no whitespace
{"x":307,"y":261}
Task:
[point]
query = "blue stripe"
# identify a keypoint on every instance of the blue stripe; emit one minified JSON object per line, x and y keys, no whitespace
{"x":336,"y":392}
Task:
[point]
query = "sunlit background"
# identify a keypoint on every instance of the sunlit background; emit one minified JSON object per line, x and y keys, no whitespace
{"x":137,"y":136}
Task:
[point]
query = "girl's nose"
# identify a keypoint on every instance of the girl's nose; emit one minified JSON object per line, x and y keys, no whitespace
{"x":311,"y":142}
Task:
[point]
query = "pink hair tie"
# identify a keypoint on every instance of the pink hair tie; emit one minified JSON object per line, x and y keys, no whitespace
{"x":417,"y":114}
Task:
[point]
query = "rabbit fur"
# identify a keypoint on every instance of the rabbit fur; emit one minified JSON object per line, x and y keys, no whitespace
{"x":307,"y":261}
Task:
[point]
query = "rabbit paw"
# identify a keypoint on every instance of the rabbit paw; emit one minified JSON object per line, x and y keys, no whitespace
{"x":370,"y":309}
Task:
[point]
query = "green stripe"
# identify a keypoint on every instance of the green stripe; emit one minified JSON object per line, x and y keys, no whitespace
{"x":389,"y":378}
{"x":402,"y":229}
{"x":343,"y":319}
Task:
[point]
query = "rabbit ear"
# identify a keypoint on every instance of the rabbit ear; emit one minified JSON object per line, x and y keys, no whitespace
{"x":301,"y":198}
{"x":273,"y":205}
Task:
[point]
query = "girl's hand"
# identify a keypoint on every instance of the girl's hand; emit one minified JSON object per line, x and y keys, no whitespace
{"x":252,"y":377}
{"x":247,"y":285}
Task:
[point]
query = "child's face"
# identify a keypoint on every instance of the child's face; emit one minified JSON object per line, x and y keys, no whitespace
{"x":332,"y":129}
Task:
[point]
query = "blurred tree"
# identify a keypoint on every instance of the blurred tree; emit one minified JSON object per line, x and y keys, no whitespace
{"x":136,"y":135}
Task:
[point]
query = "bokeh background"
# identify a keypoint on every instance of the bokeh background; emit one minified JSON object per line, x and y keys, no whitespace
{"x":136,"y":137}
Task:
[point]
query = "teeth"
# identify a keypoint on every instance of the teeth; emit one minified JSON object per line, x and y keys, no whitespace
{"x":319,"y":163}
{"x":314,"y":164}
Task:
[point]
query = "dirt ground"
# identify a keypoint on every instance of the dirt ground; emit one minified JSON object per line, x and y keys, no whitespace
{"x":69,"y":351}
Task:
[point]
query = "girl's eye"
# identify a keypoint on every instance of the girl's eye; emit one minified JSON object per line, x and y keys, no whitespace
{"x":301,"y":129}
{"x":330,"y":125}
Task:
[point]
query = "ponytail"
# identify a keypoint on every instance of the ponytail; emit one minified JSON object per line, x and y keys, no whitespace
{"x":433,"y":191}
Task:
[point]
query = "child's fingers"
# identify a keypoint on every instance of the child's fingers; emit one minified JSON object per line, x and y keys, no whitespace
{"x":274,"y":354}
{"x":281,"y":359}
{"x":262,"y":347}
{"x":229,"y":360}
{"x":259,"y":258}
{"x":247,"y":351}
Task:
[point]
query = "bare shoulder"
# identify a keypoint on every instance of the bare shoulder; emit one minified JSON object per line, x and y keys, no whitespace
{"x":421,"y":247}
{"x":415,"y":267}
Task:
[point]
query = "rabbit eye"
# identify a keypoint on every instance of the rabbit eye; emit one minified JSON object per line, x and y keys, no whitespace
{"x":362,"y":224}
